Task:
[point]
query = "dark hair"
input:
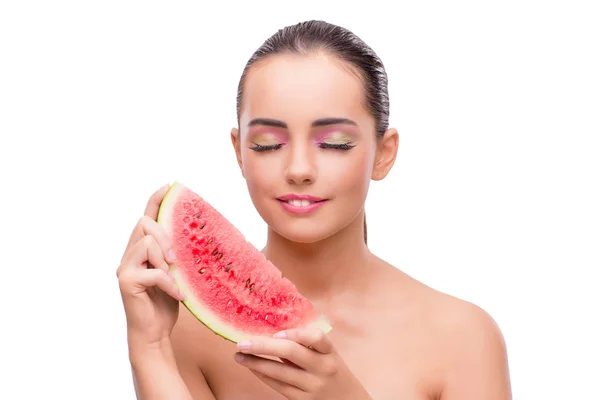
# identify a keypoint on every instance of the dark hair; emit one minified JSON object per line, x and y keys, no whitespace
{"x":313,"y":36}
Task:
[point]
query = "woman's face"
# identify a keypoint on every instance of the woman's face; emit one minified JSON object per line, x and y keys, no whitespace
{"x":306,"y":144}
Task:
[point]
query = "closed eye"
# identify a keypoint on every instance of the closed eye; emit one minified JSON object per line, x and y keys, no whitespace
{"x":260,"y":147}
{"x":341,"y":146}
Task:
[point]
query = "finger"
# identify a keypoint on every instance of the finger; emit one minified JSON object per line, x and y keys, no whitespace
{"x":284,"y":374}
{"x":148,"y":226}
{"x":151,"y":214}
{"x":288,"y":362}
{"x":154,"y":202}
{"x":312,"y":338}
{"x":141,"y":280}
{"x":145,"y":251}
{"x":288,"y":391}
{"x":292,"y":352}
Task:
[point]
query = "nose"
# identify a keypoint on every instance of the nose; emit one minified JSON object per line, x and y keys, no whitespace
{"x":300,"y":167}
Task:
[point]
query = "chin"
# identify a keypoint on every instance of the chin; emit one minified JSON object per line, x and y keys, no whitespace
{"x":305,"y":229}
{"x":302,"y":235}
{"x":299,"y":230}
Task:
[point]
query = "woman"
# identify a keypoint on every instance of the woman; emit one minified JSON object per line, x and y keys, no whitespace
{"x":312,"y":120}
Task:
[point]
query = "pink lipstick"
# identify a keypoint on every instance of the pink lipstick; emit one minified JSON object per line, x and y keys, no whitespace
{"x":301,"y":203}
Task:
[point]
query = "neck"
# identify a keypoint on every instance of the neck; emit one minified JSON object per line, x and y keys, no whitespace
{"x":326,"y":268}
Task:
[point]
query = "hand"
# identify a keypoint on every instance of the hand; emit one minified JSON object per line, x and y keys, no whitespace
{"x":150,"y":296}
{"x":311,"y":368}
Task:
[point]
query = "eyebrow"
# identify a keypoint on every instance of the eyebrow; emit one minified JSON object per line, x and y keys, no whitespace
{"x":317,"y":123}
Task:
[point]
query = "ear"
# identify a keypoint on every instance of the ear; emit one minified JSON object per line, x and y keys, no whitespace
{"x":387,"y":149}
{"x":236,"y":142}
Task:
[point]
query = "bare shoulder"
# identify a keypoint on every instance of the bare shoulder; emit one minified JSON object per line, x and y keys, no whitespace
{"x":189,"y":342}
{"x":474,"y":354}
{"x":459,"y":322}
{"x":466,"y":325}
{"x":192,"y":341}
{"x":470,"y":350}
{"x":468,"y":332}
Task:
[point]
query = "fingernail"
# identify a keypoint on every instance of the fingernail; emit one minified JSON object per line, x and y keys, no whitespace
{"x":244,"y":345}
{"x":280,"y":335}
{"x":239,"y":357}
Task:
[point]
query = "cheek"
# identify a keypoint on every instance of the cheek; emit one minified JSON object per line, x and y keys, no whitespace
{"x":261,"y":173}
{"x":350,"y":173}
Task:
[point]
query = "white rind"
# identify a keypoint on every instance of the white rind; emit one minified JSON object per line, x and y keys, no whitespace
{"x":204,"y":315}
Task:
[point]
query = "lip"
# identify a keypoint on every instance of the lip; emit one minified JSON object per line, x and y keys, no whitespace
{"x":317,"y":202}
{"x":299,"y":197}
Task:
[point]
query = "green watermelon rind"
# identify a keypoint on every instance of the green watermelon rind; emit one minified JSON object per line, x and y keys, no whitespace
{"x":204,"y":315}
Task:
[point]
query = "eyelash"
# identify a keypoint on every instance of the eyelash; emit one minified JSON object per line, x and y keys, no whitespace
{"x":344,"y":146}
{"x":258,"y":147}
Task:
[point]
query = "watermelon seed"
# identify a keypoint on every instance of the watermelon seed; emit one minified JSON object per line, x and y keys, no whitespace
{"x":202,"y":225}
{"x":198,"y":215}
{"x":209,"y":241}
{"x":229,"y":302}
{"x":251,"y":288}
{"x":248,"y":282}
{"x":220,"y":256}
{"x":228,"y":268}
{"x":202,"y":270}
{"x":198,"y":261}
{"x":215,"y":251}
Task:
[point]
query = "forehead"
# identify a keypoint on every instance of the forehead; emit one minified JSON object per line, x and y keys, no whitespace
{"x":298,"y":89}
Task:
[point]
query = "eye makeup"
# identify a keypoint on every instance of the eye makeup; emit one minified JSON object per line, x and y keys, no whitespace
{"x":335,"y":140}
{"x":270,"y":139}
{"x":267,"y":141}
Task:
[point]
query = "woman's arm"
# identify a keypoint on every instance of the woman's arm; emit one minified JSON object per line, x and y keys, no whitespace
{"x":157,"y":376}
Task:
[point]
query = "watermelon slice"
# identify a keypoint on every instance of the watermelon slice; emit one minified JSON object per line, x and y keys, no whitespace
{"x":229,"y":285}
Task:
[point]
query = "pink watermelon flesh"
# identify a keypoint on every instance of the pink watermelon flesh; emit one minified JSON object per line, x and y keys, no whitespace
{"x":229,"y":285}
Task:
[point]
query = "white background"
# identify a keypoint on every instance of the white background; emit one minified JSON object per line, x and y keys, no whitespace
{"x":494,"y":197}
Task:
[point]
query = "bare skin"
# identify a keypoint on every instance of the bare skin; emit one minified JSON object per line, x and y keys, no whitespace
{"x":402,"y":339}
{"x":393,"y":337}
{"x":421,"y":344}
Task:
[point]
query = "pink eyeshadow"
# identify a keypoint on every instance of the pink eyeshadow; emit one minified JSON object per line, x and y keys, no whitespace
{"x":332,"y":132}
{"x":269,"y":135}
